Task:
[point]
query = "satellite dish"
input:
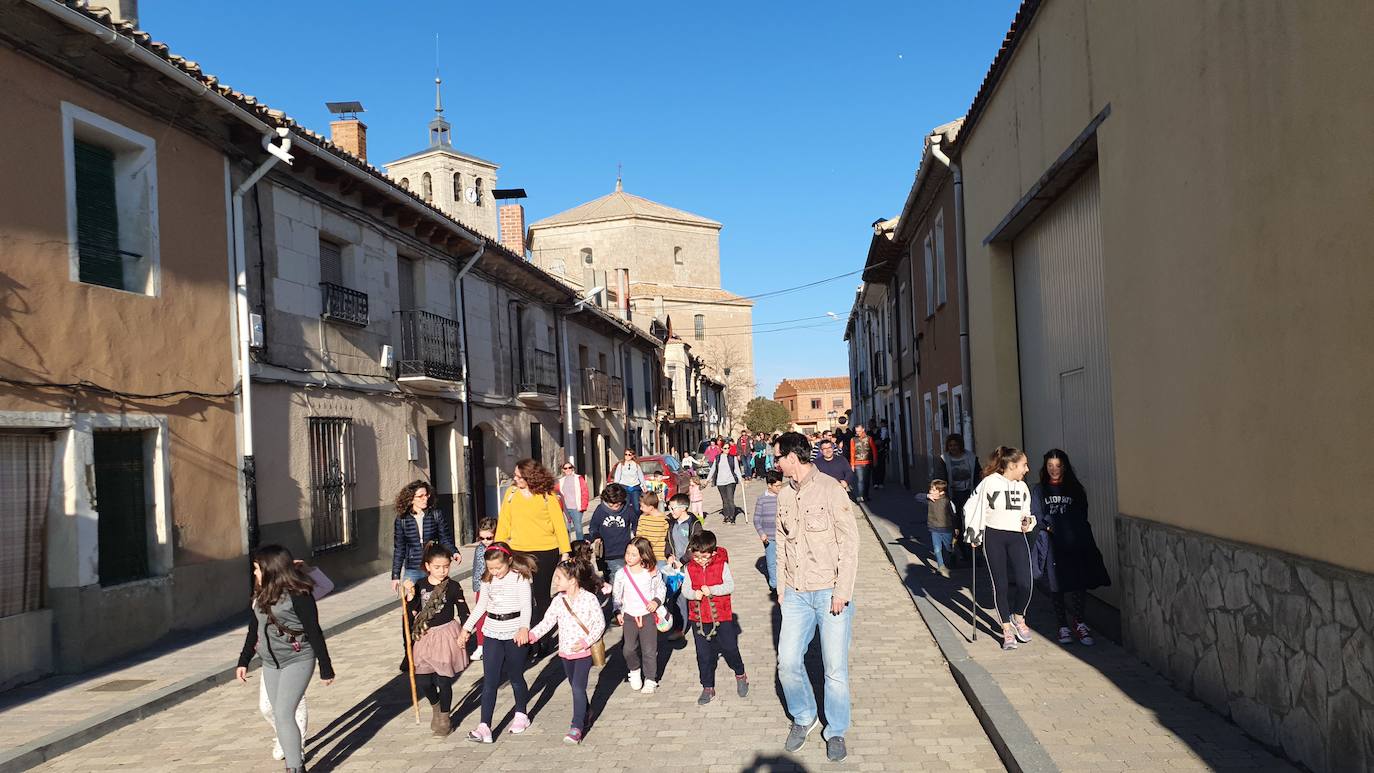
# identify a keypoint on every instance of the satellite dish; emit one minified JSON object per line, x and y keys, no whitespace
{"x":471,"y":195}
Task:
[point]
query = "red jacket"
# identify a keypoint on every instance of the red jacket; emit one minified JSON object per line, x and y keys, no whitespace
{"x":712,"y":574}
{"x":583,"y":498}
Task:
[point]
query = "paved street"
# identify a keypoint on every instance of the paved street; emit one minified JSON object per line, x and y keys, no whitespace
{"x":1092,"y":708}
{"x":908,"y":712}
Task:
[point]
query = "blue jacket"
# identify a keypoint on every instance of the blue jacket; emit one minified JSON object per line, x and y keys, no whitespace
{"x":406,"y":550}
{"x":837,"y":468}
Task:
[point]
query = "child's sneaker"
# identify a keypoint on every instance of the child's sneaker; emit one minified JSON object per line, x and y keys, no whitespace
{"x":742,"y":686}
{"x":519,"y":724}
{"x":1065,"y":635}
{"x":649,"y":687}
{"x":481,"y":734}
{"x":1023,"y":631}
{"x":636,"y":681}
{"x":1008,"y":639}
{"x":477,"y":654}
{"x":707,"y":695}
{"x":573,"y":737}
{"x":1083,"y":635}
{"x":277,"y":753}
{"x":944,"y":572}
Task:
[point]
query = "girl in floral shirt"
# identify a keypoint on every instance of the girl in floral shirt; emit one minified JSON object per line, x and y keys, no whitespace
{"x":576,"y":611}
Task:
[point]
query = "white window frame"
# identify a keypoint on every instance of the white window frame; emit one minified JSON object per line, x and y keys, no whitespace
{"x":901,"y":293}
{"x":135,"y":194}
{"x":942,"y":409}
{"x":929,"y":422}
{"x":941,"y":289}
{"x":928,"y":245}
{"x":959,"y":411}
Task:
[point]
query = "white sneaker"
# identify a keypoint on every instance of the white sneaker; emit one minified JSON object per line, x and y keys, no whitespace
{"x":477,"y":654}
{"x":1065,"y":635}
{"x":636,"y":681}
{"x":649,"y":687}
{"x":277,"y":753}
{"x":1084,"y":636}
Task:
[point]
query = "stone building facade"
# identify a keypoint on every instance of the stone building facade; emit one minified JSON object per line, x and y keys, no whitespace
{"x":673,"y":263}
{"x":814,"y":403}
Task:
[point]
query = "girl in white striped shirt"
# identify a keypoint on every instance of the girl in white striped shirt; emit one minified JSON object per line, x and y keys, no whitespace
{"x":506,"y":602}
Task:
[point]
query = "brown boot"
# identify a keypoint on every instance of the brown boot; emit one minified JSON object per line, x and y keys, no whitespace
{"x":445,"y":725}
{"x":434,"y":720}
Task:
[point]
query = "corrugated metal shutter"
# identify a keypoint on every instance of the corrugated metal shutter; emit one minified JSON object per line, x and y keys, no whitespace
{"x":97,"y":217}
{"x":331,"y":263}
{"x":1061,"y":316}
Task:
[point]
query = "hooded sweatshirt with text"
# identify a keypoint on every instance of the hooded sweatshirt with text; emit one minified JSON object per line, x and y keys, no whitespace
{"x":997,"y":503}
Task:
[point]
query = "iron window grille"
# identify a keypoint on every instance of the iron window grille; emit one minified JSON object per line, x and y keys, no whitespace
{"x":429,"y":347}
{"x":341,"y":304}
{"x":539,"y":372}
{"x":332,"y":479}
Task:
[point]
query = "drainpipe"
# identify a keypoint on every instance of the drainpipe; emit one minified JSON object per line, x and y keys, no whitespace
{"x":250,"y":485}
{"x":467,"y":389}
{"x":961,"y":271}
{"x":569,"y":428}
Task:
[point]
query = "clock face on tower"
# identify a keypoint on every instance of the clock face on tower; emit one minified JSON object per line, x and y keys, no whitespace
{"x":471,"y":195}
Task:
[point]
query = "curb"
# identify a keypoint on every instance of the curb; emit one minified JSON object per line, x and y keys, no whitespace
{"x":90,"y":729}
{"x":1016,"y":745}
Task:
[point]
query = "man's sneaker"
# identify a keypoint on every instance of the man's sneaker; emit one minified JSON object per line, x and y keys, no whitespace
{"x":742,"y":686}
{"x":796,"y":737}
{"x":481,"y":734}
{"x":573,"y":737}
{"x":1084,"y":636}
{"x":519,"y":724}
{"x":1065,"y":635}
{"x":834,"y":749}
{"x":649,"y":687}
{"x":1023,"y":631}
{"x":944,"y":572}
{"x":707,"y":694}
{"x":636,"y":681}
{"x":1008,"y":639}
{"x":477,"y":654}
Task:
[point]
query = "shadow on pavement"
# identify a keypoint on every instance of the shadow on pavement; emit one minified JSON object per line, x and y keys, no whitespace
{"x":353,"y":729}
{"x":773,"y":764}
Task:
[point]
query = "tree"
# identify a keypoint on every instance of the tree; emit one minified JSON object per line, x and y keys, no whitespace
{"x":767,"y":416}
{"x":728,"y":365}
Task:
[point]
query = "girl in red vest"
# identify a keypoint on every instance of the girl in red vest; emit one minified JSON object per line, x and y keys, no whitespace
{"x":707,"y":588}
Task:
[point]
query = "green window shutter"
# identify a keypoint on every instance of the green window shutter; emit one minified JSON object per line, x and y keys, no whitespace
{"x":97,"y":217}
{"x":121,"y":506}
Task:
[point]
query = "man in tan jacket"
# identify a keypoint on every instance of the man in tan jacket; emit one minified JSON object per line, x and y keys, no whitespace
{"x":818,"y":555}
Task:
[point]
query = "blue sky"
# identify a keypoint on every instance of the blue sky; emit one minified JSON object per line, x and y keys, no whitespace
{"x":796,"y":125}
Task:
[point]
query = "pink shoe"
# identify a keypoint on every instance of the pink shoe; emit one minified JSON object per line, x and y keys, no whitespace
{"x":481,"y":734}
{"x":520,"y":724}
{"x":1023,"y":631}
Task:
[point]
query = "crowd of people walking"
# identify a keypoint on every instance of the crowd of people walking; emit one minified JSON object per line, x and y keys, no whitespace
{"x":648,"y":565}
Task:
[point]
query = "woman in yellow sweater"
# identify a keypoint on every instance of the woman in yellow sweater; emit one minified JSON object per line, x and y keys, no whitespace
{"x":532,"y":521}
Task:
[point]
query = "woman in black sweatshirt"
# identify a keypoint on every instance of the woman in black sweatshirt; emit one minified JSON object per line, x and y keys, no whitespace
{"x":285,"y":633}
{"x":1073,"y":564}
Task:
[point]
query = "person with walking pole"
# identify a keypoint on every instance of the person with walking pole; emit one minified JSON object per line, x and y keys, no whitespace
{"x":999,"y":517}
{"x":818,"y":555}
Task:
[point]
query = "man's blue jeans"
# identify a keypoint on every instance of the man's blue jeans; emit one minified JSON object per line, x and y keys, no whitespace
{"x":770,"y":558}
{"x":802,"y":614}
{"x":862,"y":476}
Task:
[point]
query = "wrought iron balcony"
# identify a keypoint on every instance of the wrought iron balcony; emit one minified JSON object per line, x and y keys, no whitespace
{"x":341,"y":304}
{"x":596,"y":389}
{"x":617,"y":393}
{"x":538,"y":374}
{"x":429,"y":350}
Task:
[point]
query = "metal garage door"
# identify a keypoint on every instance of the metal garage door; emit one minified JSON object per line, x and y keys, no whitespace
{"x":1061,"y":325}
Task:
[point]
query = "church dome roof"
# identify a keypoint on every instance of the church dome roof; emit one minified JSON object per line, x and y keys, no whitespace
{"x":620,"y":205}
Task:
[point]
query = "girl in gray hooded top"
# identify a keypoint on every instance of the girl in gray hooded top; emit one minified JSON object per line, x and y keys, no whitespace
{"x":285,"y":633}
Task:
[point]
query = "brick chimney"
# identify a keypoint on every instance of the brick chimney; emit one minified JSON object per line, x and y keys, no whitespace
{"x":351,"y":135}
{"x":120,"y":10}
{"x":512,"y":224}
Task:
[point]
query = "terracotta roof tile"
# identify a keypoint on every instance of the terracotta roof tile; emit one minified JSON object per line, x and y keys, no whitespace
{"x":804,"y":385}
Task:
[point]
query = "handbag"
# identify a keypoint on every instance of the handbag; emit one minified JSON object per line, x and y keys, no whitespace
{"x":599,"y":646}
{"x":323,"y":585}
{"x":663,"y":618}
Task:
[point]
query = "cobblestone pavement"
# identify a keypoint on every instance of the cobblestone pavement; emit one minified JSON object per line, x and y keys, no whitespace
{"x":908,"y":713}
{"x":1093,"y":708}
{"x":33,"y":711}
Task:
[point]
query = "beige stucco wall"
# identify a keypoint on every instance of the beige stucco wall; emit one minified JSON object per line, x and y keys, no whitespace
{"x":1236,"y":187}
{"x":54,"y":329}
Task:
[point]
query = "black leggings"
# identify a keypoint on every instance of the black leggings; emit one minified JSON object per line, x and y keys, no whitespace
{"x":1007,"y":555}
{"x":502,"y":658}
{"x":577,"y":671}
{"x":545,"y":562}
{"x":436,"y":688}
{"x":1078,"y":599}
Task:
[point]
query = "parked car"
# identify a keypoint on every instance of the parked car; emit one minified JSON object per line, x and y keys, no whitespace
{"x":674,"y":477}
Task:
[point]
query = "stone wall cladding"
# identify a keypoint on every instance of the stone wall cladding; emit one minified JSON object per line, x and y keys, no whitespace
{"x":1279,"y":644}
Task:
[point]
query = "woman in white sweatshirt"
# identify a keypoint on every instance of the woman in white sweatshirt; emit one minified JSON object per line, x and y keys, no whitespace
{"x":997,"y":517}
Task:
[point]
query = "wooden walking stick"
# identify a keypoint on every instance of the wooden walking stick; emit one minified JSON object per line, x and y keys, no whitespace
{"x":410,"y":660}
